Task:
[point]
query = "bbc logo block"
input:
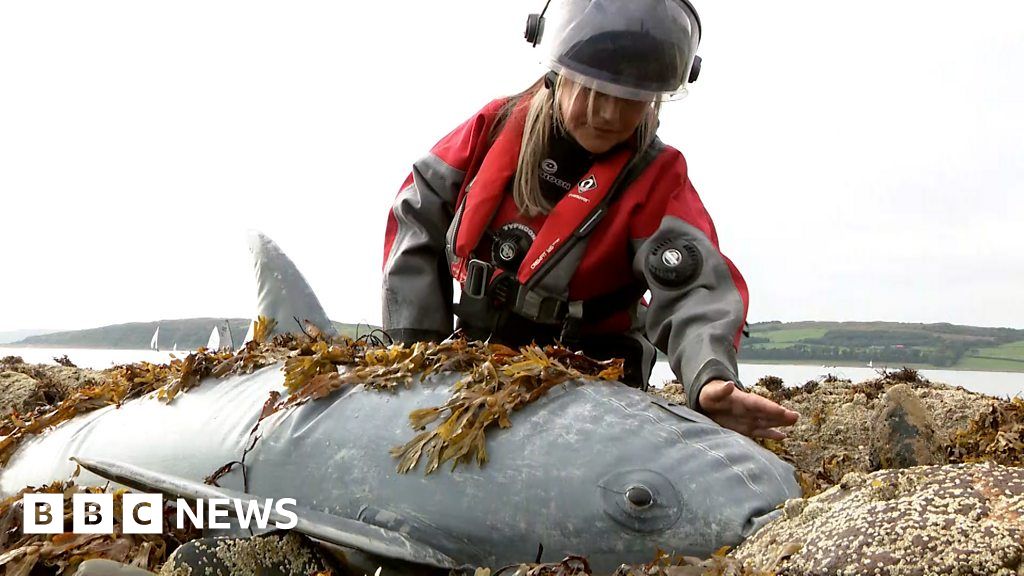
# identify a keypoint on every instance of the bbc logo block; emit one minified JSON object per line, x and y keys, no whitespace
{"x":92,"y":513}
{"x":43,"y":514}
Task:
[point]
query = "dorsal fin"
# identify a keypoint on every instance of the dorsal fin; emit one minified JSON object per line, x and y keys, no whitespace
{"x":281,"y":291}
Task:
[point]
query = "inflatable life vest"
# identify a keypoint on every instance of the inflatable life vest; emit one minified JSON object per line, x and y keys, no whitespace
{"x":490,"y":291}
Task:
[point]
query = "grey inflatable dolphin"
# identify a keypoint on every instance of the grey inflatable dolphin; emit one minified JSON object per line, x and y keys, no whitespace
{"x":596,"y":469}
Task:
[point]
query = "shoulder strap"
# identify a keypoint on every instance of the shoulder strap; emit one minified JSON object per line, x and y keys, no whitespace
{"x":637,"y":164}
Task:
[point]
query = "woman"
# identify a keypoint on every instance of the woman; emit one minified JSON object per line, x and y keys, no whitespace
{"x":557,"y":209}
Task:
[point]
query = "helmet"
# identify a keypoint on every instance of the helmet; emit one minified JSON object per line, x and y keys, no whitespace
{"x":635,"y":49}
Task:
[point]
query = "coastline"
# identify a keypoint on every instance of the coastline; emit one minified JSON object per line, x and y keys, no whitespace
{"x":915,"y":366}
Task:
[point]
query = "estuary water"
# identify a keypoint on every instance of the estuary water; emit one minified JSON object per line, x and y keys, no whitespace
{"x":1000,"y":384}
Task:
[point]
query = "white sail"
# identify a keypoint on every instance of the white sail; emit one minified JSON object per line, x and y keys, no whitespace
{"x":213,"y":344}
{"x":155,"y":340}
{"x":230,"y":345}
{"x":251,"y":332}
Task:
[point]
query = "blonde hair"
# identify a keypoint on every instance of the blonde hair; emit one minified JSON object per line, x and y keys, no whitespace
{"x":543,"y":117}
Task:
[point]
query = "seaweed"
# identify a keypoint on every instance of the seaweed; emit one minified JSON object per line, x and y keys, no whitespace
{"x":904,"y":375}
{"x":996,"y":435}
{"x":118,"y":385}
{"x":62,"y":553}
{"x":771,"y":383}
{"x":502,"y":383}
{"x":497,"y":381}
{"x":667,"y":564}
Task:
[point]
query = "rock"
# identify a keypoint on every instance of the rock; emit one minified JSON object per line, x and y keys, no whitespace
{"x":19,"y":392}
{"x":903,"y":433}
{"x":672,"y":391}
{"x":954,"y":519}
{"x":273,"y":554}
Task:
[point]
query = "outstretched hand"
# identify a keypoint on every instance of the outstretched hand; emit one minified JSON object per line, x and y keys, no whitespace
{"x":746,"y":413}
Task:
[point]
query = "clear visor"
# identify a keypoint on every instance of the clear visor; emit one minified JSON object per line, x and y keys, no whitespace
{"x":633,"y":49}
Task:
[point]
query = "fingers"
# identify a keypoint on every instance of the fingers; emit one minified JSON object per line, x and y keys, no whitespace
{"x":769,"y":433}
{"x":762,"y":408}
{"x":715,"y":393}
{"x":749,"y":414}
{"x":753,"y":428}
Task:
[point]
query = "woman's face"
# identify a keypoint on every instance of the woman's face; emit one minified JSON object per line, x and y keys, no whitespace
{"x":612,"y":121}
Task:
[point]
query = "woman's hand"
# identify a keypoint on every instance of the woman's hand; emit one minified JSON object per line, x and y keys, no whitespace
{"x":746,"y":413}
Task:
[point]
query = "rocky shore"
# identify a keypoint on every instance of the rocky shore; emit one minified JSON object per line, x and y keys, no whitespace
{"x":901,"y":476}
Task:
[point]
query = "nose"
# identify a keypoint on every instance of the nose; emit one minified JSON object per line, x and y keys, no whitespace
{"x":606,"y":109}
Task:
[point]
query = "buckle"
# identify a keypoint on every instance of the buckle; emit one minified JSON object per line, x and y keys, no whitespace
{"x":503,"y":290}
{"x":478,"y":276}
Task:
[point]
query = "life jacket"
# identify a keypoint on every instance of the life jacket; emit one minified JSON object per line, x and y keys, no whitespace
{"x":488,"y":293}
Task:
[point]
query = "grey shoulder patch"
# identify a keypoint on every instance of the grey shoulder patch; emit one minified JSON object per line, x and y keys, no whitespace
{"x":282,"y":293}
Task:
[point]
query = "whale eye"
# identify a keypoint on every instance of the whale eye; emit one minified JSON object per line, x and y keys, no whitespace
{"x":639,"y":496}
{"x":640,"y":499}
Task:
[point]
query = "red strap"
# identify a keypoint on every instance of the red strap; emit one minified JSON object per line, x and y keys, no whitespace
{"x":484,"y":197}
{"x":572,"y":210}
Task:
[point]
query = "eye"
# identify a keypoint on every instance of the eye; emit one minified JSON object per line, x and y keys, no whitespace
{"x":639,"y":499}
{"x":639,"y":496}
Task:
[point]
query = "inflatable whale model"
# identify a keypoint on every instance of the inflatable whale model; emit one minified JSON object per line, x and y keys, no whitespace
{"x":592,"y":468}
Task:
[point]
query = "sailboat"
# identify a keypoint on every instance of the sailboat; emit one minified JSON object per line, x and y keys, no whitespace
{"x":252,"y":331}
{"x":155,"y":340}
{"x":213,"y":344}
{"x":231,"y":339}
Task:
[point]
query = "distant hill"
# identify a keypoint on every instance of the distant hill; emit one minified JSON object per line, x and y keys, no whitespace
{"x":15,"y":335}
{"x":185,"y":334}
{"x":886,"y":343}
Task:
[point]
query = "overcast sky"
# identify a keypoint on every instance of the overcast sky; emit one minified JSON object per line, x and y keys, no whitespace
{"x":862,"y":161}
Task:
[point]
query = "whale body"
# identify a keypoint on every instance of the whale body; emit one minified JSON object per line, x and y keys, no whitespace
{"x":592,"y":468}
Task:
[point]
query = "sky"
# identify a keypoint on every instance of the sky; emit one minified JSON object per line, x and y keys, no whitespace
{"x":861,"y":161}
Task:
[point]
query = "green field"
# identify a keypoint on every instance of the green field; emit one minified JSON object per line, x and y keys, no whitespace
{"x":1013,"y":351}
{"x":919,"y":345}
{"x":1008,"y":357}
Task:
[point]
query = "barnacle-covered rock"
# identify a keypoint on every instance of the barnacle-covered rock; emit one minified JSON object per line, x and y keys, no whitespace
{"x":19,"y":392}
{"x":955,"y":519}
{"x":902,"y":432}
{"x":275,"y":554}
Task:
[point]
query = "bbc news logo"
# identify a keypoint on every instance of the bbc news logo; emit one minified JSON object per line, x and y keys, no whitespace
{"x":143,"y":513}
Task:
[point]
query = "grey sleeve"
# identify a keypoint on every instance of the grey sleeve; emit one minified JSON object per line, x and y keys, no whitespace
{"x":417,"y":288}
{"x":693,"y":321}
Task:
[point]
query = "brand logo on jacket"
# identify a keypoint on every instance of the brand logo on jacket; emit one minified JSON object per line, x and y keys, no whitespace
{"x":540,"y":259}
{"x":548,"y":165}
{"x":507,"y":251}
{"x":556,"y":181}
{"x":672,"y":258}
{"x":585,"y":185}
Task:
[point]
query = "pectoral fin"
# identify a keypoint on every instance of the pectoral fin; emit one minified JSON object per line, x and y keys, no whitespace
{"x":326,"y":527}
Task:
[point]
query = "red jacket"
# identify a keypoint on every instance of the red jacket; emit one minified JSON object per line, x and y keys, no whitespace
{"x":459,"y":189}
